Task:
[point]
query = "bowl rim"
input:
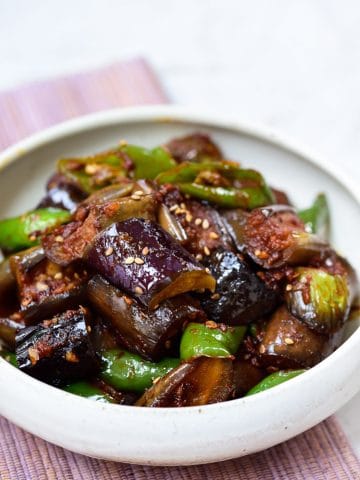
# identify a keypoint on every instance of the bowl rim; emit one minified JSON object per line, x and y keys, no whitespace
{"x":183,"y":115}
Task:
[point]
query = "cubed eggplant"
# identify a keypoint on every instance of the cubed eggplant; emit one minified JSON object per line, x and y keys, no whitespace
{"x":246,"y":376}
{"x":203,"y":225}
{"x":69,"y":243}
{"x":7,"y":280}
{"x":240,"y":296}
{"x":321,"y":300}
{"x":197,"y":147}
{"x":289,"y":343}
{"x":9,"y":327}
{"x":274,"y":236}
{"x":45,"y":288}
{"x":58,"y":350}
{"x":139,"y":257}
{"x":140,"y":330}
{"x":62,"y":193}
{"x":200,"y":381}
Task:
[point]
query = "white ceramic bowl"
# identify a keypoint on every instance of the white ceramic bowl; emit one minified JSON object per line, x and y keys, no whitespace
{"x":185,"y":435}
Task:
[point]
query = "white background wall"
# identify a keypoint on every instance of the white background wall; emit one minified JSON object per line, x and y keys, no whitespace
{"x":292,"y":65}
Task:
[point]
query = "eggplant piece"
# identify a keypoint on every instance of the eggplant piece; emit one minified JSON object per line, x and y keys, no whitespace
{"x":58,"y":350}
{"x":45,"y":288}
{"x":202,"y":224}
{"x":275,"y":236}
{"x":246,"y":376}
{"x":9,"y":327}
{"x":200,"y":381}
{"x":62,"y":193}
{"x":7,"y":280}
{"x":197,"y":147}
{"x":321,"y":300}
{"x":67,"y":244}
{"x":288,"y":343}
{"x":280,"y":197}
{"x":140,"y":330}
{"x":139,"y":257}
{"x":240,"y":296}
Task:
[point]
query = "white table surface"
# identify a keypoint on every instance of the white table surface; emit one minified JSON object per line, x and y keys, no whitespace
{"x":290,"y":65}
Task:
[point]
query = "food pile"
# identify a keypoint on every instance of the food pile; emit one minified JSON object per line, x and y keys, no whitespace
{"x":169,"y":277}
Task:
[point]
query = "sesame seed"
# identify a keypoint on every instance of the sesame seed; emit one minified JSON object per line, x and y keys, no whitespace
{"x":58,"y":276}
{"x":183,"y":206}
{"x":76,"y":275}
{"x":88,"y":328}
{"x":71,"y":357}
{"x":59,"y":239}
{"x":91,"y":168}
{"x":139,"y":261}
{"x":135,"y":197}
{"x":129,"y":260}
{"x":41,"y":286}
{"x":33,"y":355}
{"x":109,"y":251}
{"x":198,"y":221}
{"x":188,"y":217}
{"x":139,"y":290}
{"x":32,"y":238}
{"x":168,"y":344}
{"x":288,"y":288}
{"x":211,"y":324}
{"x":145,"y":250}
{"x":262,"y":349}
{"x":26,"y":301}
{"x":206,"y":250}
{"x":257,"y":253}
{"x":207,"y":270}
{"x":215,"y":296}
{"x":199,"y":257}
{"x":289,"y":341}
{"x":213,"y":235}
{"x":205,"y":224}
{"x":139,"y":193}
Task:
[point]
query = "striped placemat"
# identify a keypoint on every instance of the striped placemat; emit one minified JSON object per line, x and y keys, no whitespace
{"x":321,"y":453}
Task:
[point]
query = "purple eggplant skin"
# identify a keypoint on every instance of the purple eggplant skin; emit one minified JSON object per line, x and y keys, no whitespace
{"x":58,"y":350}
{"x":45,"y":288}
{"x":240,"y":296}
{"x":7,"y":280}
{"x":89,"y":220}
{"x":61,"y":193}
{"x":199,"y":381}
{"x":140,"y":330}
{"x":9,"y":327}
{"x":289,"y":343}
{"x":142,"y":259}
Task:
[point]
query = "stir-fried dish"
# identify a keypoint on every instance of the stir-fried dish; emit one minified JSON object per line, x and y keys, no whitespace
{"x":169,"y":277}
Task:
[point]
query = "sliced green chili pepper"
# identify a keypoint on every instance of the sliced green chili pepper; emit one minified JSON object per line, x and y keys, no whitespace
{"x":9,"y":357}
{"x":149,"y":163}
{"x":87,"y":390}
{"x":319,"y":299}
{"x":242,"y":188}
{"x":93,"y":173}
{"x":199,"y":339}
{"x":317,"y":217}
{"x":18,"y":233}
{"x":274,"y":379}
{"x":129,"y":372}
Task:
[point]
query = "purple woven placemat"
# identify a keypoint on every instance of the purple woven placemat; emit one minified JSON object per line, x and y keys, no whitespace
{"x":321,"y":453}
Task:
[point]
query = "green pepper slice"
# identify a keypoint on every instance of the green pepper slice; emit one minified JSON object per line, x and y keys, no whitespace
{"x":148,"y":163}
{"x":87,"y":390}
{"x":211,"y":340}
{"x":21,"y":232}
{"x":93,"y":173}
{"x":9,"y":357}
{"x":317,"y":217}
{"x":129,"y":372}
{"x":223,"y":183}
{"x":274,"y":379}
